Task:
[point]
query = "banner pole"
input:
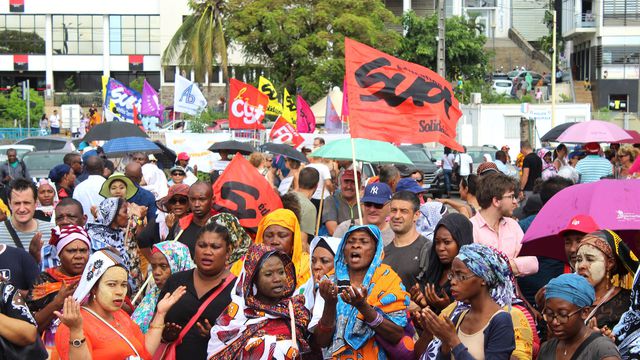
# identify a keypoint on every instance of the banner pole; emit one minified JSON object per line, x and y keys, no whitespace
{"x":320,"y":210}
{"x":355,"y":177}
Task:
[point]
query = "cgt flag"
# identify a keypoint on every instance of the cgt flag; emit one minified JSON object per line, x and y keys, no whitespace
{"x":289,"y":109}
{"x":283,"y":132}
{"x":266,"y":87}
{"x":306,"y":119}
{"x":247,"y":106}
{"x":397,"y":101}
{"x":243,"y":192}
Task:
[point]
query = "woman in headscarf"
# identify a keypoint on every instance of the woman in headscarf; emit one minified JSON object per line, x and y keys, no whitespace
{"x":452,"y":232}
{"x":240,"y":240}
{"x":94,"y":326}
{"x":567,"y":301}
{"x":365,"y":310}
{"x":167,"y":257}
{"x":280,"y":229}
{"x":430,"y":214}
{"x":63,"y":176}
{"x":116,"y":227}
{"x":601,"y":256}
{"x":258,"y":322}
{"x":47,"y":200}
{"x":478,"y":327}
{"x":548,"y":168}
{"x":54,"y":285}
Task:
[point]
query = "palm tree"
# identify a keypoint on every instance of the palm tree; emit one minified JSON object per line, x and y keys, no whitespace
{"x":200,"y":39}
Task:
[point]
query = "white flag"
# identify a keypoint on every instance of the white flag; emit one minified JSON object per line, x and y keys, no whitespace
{"x":187,"y":98}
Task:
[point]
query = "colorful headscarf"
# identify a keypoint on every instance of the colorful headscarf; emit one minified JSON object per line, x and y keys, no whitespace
{"x":108,"y":210}
{"x":430,"y":214}
{"x":99,"y":262}
{"x":287,"y":219}
{"x":487,"y":264}
{"x":548,"y":169}
{"x":572,"y":288}
{"x":62,"y":236}
{"x":240,"y":240}
{"x":614,"y":249}
{"x":385,"y":293}
{"x":48,"y":210}
{"x":179,"y":259}
{"x":249,"y":325}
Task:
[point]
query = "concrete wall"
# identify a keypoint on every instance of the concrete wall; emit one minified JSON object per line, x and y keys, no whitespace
{"x":604,"y":88}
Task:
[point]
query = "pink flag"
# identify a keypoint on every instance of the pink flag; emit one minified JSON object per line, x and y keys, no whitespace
{"x":345,"y":103}
{"x":306,"y":120}
{"x":332,"y":121}
{"x":151,"y":101}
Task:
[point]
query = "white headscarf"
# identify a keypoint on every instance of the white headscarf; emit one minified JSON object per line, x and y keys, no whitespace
{"x":313,"y":300}
{"x":99,"y":262}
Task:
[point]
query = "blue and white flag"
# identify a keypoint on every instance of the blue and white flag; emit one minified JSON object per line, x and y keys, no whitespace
{"x":187,"y":98}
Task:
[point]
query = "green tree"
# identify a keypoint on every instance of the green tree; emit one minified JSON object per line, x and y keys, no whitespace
{"x":13,"y":107}
{"x":18,"y":42}
{"x":200,"y":39}
{"x":69,"y":85}
{"x":137,"y":84}
{"x":302,"y":42}
{"x":465,"y":54}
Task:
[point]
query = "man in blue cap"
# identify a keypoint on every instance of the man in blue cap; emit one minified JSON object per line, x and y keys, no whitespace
{"x":375,"y":211}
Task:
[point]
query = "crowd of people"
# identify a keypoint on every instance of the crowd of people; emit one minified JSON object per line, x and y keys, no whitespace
{"x":142,"y":264}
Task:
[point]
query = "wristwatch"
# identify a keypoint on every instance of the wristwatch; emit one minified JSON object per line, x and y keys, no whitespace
{"x":76,"y":343}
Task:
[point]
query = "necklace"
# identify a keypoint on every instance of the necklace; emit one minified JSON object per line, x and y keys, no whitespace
{"x":564,"y":345}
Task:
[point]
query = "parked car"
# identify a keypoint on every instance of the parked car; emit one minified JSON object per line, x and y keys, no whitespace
{"x":39,"y":163}
{"x":534,"y":76}
{"x":20,"y":150}
{"x":49,"y":143}
{"x":502,"y":86}
{"x":423,"y":161}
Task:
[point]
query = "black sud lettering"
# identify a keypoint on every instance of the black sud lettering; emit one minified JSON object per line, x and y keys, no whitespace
{"x":418,"y":91}
{"x":231,"y":191}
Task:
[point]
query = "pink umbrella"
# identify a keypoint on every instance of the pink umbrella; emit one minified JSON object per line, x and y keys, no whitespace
{"x":594,"y":131}
{"x":613,"y":204}
{"x":635,"y":137}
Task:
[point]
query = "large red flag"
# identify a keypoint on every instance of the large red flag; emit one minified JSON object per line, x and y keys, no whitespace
{"x":283,"y":132}
{"x":397,"y":101}
{"x":248,"y":106}
{"x":243,"y":192}
{"x":306,"y":119}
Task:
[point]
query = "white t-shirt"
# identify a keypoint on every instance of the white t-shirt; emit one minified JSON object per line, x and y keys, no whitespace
{"x":285,"y":185}
{"x":54,"y":121}
{"x":464,"y":160}
{"x":325,"y":174}
{"x":447,"y":162}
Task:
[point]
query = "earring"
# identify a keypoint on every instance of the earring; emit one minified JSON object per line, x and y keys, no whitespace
{"x":608,"y":281}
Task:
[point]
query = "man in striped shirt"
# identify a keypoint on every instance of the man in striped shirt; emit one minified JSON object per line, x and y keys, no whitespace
{"x":593,"y":167}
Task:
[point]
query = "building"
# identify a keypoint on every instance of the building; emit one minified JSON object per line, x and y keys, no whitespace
{"x":603,"y":39}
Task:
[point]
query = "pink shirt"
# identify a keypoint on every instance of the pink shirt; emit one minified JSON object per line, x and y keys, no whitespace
{"x":508,"y":239}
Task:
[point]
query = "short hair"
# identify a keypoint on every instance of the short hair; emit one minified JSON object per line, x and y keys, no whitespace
{"x":290,"y":202}
{"x":94,"y":165}
{"x":68,"y":158}
{"x":293,"y":163}
{"x":470,"y":183}
{"x":388,"y":173}
{"x":406,"y":195}
{"x":320,"y":140}
{"x":552,"y":186}
{"x":10,"y":150}
{"x":492,"y":186}
{"x":256,"y":158}
{"x":214,"y":227}
{"x":22,"y":185}
{"x":525,"y":144}
{"x":108,"y":164}
{"x":68,"y":201}
{"x":308,"y":178}
{"x":500,"y":155}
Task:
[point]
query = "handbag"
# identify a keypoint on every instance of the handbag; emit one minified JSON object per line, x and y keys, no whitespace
{"x":167,"y":351}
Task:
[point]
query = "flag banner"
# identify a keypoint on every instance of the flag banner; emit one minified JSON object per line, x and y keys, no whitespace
{"x":289,"y":109}
{"x":20,"y":62}
{"x":283,"y":132}
{"x":397,"y":101}
{"x":136,"y":62}
{"x":16,"y":6}
{"x":243,"y":192}
{"x":151,"y":101}
{"x":266,"y":87}
{"x":306,"y":119}
{"x":187,"y":98}
{"x":332,"y":123}
{"x":122,"y":100}
{"x":247,"y":107}
{"x":105,"y":81}
{"x":345,"y":103}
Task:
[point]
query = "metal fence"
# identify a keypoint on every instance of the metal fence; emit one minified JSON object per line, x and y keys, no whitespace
{"x":15,"y":134}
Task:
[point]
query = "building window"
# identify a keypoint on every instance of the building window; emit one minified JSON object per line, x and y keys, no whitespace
{"x":619,"y":62}
{"x":512,"y":126}
{"x":169,"y":74}
{"x":621,"y":12}
{"x":618,"y":102}
{"x":22,"y":34}
{"x":134,"y":34}
{"x":77,"y":34}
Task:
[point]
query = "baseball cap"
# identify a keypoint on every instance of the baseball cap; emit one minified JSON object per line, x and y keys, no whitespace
{"x":377,"y":193}
{"x":177,"y":168}
{"x":581,"y":223}
{"x":183,"y":156}
{"x":409,"y":184}
{"x":592,"y":148}
{"x":348,"y":175}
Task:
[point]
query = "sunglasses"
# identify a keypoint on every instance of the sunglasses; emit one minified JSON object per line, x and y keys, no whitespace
{"x":377,"y":206}
{"x":177,"y":173}
{"x":178,"y":200}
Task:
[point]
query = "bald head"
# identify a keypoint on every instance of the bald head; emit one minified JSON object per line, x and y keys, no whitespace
{"x":134,"y":172}
{"x":201,"y":199}
{"x":94,"y":165}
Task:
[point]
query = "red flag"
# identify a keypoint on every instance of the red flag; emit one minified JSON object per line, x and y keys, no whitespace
{"x":306,"y":119}
{"x":243,"y":192}
{"x":247,"y":106}
{"x":397,"y":101}
{"x":283,"y":132}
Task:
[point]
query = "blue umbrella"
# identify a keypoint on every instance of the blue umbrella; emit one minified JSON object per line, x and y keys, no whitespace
{"x":128,"y":145}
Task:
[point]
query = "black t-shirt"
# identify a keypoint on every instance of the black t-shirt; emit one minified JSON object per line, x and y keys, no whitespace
{"x":533,"y":162}
{"x":149,"y":236}
{"x":193,"y":345}
{"x":18,"y":267}
{"x":188,"y":237}
{"x":405,"y":261}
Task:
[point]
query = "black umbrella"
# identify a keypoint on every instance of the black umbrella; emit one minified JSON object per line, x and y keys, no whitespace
{"x":113,"y":130}
{"x":167,"y":158}
{"x":284,"y":150}
{"x":552,"y":135}
{"x":232,"y":147}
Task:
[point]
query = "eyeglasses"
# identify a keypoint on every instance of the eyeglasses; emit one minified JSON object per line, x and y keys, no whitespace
{"x":177,"y":173}
{"x":561,"y":318}
{"x":178,"y":200}
{"x":377,"y":206}
{"x":512,"y":197}
{"x":459,"y":277}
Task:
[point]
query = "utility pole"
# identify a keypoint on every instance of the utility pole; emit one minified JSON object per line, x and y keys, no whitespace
{"x":553,"y":72}
{"x":441,"y":38}
{"x":28,"y":100}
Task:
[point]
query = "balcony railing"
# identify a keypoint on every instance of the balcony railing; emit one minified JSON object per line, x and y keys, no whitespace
{"x":585,"y":20}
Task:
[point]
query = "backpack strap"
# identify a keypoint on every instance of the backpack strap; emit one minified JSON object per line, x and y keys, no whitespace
{"x":14,"y":234}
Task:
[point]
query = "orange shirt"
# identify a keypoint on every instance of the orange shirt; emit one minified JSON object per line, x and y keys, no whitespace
{"x":104,"y":343}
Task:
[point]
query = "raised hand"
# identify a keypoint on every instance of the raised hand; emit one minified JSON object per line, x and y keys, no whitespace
{"x":440,"y":326}
{"x":170,"y":220}
{"x":171,"y":332}
{"x":418,"y":296}
{"x":65,"y":292}
{"x":70,"y":314}
{"x":35,"y":246}
{"x":434,"y":300}
{"x":355,"y":296}
{"x":329,"y":291}
{"x":204,"y":328}
{"x":170,"y":299}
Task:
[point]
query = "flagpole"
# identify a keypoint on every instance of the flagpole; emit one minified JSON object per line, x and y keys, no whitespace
{"x":355,"y":177}
{"x":320,"y":209}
